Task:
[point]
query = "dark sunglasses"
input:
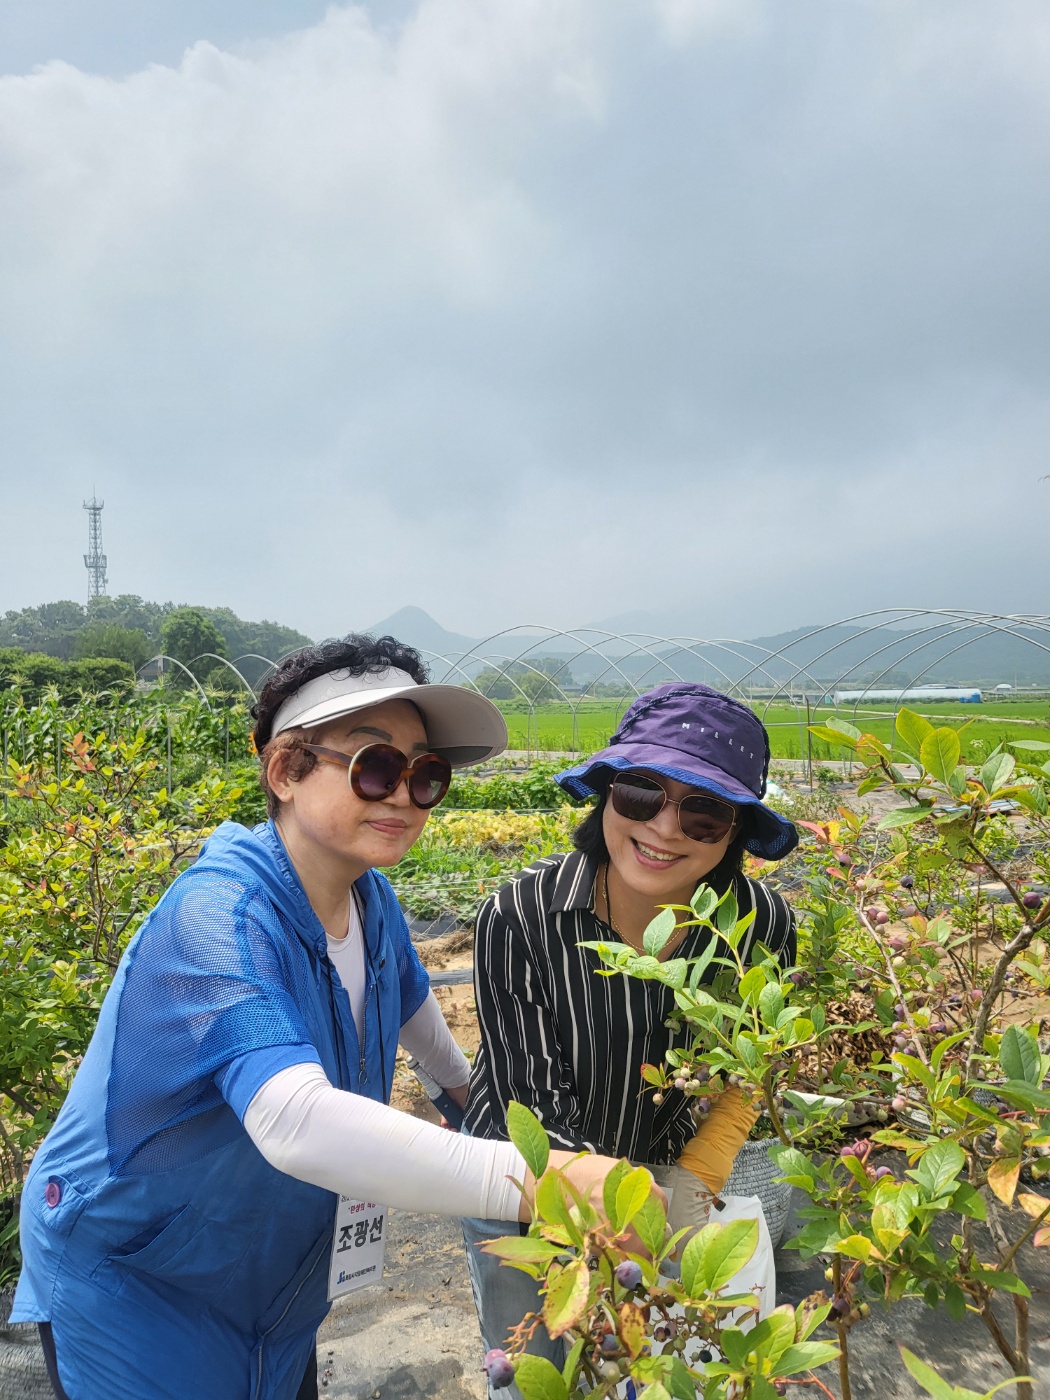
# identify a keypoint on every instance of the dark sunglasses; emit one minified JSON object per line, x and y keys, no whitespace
{"x":640,"y":799}
{"x":378,"y":770}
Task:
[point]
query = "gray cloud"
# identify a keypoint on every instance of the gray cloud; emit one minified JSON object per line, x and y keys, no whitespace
{"x":732,"y":312}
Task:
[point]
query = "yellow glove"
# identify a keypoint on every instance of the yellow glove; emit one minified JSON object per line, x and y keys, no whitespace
{"x":711,"y":1153}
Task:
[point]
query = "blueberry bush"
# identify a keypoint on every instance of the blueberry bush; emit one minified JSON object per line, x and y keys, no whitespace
{"x":90,"y":839}
{"x":923,"y":947}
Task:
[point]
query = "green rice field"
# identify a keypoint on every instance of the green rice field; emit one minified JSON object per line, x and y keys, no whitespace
{"x":551,"y":728}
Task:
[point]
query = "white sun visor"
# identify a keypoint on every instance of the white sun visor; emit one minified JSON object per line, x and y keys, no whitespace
{"x":460,"y":723}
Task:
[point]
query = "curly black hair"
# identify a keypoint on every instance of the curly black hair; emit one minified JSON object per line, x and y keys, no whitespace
{"x":357,"y":653}
{"x":589,"y":837}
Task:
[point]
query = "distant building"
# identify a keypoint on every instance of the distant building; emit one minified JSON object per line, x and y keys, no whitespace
{"x":962,"y":695}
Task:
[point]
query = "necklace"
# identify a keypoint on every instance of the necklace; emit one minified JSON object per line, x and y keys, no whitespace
{"x":669,"y":946}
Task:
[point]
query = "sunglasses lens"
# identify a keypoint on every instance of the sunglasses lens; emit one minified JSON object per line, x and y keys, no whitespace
{"x":705,"y":818}
{"x":376,"y":772}
{"x":429,"y":780}
{"x":637,"y":799}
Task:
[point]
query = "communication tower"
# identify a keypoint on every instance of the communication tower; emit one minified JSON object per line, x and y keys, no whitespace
{"x":94,"y":559}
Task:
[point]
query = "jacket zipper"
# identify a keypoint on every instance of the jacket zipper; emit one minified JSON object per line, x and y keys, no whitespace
{"x":278,"y":1321}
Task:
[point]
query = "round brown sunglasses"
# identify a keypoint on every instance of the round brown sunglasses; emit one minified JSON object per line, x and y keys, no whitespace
{"x":640,"y":798}
{"x":378,"y":770}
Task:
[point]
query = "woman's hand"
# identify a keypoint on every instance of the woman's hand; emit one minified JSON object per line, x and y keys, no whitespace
{"x":587,"y":1172}
{"x":459,"y":1095}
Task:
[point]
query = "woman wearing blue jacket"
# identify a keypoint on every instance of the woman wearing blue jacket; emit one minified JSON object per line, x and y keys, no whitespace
{"x":178,"y":1222}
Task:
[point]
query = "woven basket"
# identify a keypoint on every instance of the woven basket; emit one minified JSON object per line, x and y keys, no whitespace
{"x":753,"y":1175}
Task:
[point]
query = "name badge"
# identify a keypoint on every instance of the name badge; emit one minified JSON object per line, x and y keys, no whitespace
{"x":358,"y":1245}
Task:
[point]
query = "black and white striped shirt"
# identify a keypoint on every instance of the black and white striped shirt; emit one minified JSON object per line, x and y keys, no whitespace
{"x":568,"y":1043}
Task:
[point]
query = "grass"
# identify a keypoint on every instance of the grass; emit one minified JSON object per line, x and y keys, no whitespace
{"x":550,"y":727}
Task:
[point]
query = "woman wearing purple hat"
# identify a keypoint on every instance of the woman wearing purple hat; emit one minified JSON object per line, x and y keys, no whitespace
{"x":679,"y":791}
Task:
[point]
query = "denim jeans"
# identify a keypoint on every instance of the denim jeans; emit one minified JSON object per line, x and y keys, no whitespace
{"x":503,"y":1296}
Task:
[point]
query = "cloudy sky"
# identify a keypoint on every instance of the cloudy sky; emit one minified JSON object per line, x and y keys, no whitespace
{"x":732,"y":313}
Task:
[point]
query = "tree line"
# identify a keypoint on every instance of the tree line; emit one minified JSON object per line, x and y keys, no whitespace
{"x":54,"y":643}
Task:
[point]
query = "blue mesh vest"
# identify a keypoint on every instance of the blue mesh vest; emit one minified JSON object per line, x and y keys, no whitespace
{"x":170,"y":1258}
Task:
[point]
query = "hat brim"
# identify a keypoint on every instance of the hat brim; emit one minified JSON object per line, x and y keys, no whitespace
{"x":461,"y":724}
{"x":771,"y":836}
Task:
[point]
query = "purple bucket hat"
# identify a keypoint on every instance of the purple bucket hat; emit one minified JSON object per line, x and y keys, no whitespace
{"x":698,"y":736}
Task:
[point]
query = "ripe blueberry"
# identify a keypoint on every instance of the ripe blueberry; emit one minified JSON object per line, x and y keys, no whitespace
{"x":499,"y":1369}
{"x":628,"y":1274}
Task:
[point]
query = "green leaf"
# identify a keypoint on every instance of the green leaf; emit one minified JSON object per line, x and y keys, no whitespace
{"x":1029,"y":745}
{"x":650,"y":1224}
{"x":568,"y":1289}
{"x":568,"y":1371}
{"x":835,"y":736}
{"x":905,"y":816}
{"x":855,"y":1247}
{"x":939,"y":1167}
{"x":551,"y":1203}
{"x":955,"y":1301}
{"x":680,"y":1383}
{"x":997,"y":771}
{"x":1019,"y":1056}
{"x":940,"y":753}
{"x":656,"y":1391}
{"x":526,"y":1133}
{"x":538,"y":1379}
{"x":955,"y":833}
{"x":968,"y":1201}
{"x":727,"y":913}
{"x":773,"y":1335}
{"x":523,"y":1249}
{"x":631,"y":1194}
{"x":794,"y":1166}
{"x":806,"y":1356}
{"x":751,"y":984}
{"x":729,"y":1251}
{"x":611,"y":1185}
{"x":704,"y":901}
{"x":912,"y":729}
{"x":802,"y":1030}
{"x":771,"y":1004}
{"x":691,"y":1270}
{"x":659,"y":932}
{"x":1019,"y":1092}
{"x":699,"y":965}
{"x":747,"y":1051}
{"x":927,"y":1377}
{"x":999,"y":1278}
